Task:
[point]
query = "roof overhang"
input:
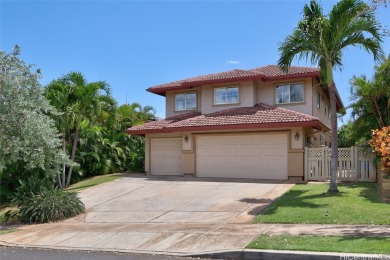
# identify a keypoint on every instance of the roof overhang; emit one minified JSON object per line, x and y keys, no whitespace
{"x":315,"y":124}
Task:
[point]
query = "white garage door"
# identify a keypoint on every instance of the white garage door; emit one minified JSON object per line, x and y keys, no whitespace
{"x":259,"y":156}
{"x":165,"y":156}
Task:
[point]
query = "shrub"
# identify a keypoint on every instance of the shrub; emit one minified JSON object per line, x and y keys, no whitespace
{"x":380,"y":142}
{"x":31,"y":186}
{"x":50,"y":205}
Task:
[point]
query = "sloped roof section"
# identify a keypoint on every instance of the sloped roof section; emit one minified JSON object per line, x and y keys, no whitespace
{"x":258,"y":116}
{"x":270,"y":72}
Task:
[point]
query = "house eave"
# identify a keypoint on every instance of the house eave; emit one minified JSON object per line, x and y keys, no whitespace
{"x":315,"y":124}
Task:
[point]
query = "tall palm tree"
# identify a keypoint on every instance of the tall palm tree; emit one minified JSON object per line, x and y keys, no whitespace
{"x":80,"y":100}
{"x":322,"y":38}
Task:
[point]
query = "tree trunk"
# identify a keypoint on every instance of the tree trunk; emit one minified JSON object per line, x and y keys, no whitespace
{"x":61,"y":176}
{"x":333,"y":125}
{"x":63,"y":165}
{"x":73,"y":155}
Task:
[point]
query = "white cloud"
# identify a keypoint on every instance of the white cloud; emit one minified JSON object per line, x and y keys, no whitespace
{"x":233,"y":61}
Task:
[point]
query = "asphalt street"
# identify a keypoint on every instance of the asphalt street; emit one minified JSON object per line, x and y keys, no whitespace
{"x":14,"y":253}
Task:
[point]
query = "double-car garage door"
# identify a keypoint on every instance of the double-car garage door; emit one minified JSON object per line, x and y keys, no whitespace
{"x":258,"y":156}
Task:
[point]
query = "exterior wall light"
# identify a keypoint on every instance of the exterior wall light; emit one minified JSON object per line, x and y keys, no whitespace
{"x":185,"y":138}
{"x":296,"y":136}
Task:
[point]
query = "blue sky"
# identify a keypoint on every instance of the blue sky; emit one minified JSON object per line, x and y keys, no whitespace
{"x":137,"y":44}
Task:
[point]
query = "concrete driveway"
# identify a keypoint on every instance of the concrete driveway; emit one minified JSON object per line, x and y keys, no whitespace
{"x":159,"y":215}
{"x":174,"y":200}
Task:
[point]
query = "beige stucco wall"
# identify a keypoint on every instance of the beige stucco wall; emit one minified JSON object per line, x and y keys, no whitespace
{"x":297,"y":144}
{"x":266,"y":94}
{"x":147,"y":155}
{"x":323,"y":112}
{"x":188,"y":163}
{"x":246,"y":97}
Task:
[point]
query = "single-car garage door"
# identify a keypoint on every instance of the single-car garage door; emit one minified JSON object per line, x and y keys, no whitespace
{"x":165,"y":156}
{"x":259,"y":156}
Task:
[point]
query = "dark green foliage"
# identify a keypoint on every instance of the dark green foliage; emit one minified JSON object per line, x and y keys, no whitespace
{"x":39,"y":201}
{"x":50,"y":205}
{"x":103,"y":152}
{"x":17,"y":181}
{"x":30,"y":187}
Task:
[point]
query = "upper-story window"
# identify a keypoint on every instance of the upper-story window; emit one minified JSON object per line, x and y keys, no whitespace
{"x":185,"y":101}
{"x":289,"y":93}
{"x":226,"y":95}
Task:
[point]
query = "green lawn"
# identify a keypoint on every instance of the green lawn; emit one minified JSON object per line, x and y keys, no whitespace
{"x":93,"y":181}
{"x":348,"y":244}
{"x":357,"y":203}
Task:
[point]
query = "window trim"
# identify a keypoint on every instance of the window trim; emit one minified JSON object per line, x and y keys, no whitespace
{"x":289,"y":84}
{"x":186,"y":109}
{"x":226,"y":87}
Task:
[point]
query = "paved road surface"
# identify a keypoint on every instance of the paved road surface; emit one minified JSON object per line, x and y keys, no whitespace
{"x":13,"y":253}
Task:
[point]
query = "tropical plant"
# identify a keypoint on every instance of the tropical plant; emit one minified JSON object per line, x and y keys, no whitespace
{"x":79,"y":100}
{"x":28,"y":140}
{"x":50,"y":205}
{"x":129,"y":115}
{"x":321,"y":39}
{"x":380,"y":142}
{"x":371,"y":106}
{"x":31,"y":186}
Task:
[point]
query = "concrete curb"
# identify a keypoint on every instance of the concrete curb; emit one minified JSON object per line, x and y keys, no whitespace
{"x":244,"y":254}
{"x":249,"y":254}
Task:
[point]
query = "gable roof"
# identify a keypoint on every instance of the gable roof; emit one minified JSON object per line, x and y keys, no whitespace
{"x":258,"y":116}
{"x":270,"y":72}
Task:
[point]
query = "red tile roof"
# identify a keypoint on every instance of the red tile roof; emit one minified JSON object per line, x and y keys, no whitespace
{"x":270,"y":72}
{"x":258,"y":116}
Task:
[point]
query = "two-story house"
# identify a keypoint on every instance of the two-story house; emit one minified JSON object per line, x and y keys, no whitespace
{"x":238,"y":124}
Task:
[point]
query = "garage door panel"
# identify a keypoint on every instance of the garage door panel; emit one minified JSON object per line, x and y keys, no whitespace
{"x":262,"y":156}
{"x":166,"y":156}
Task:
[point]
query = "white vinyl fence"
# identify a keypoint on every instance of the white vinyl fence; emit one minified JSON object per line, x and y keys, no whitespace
{"x":354,"y":164}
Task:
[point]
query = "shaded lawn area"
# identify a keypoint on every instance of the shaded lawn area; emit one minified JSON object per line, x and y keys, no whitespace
{"x":357,"y":203}
{"x":93,"y":181}
{"x":347,"y":244}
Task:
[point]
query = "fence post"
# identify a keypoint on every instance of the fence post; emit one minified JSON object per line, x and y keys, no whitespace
{"x":305,"y":162}
{"x":325,"y":168}
{"x":355,"y":161}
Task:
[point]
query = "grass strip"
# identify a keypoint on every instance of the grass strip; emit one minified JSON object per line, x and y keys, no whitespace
{"x":342,"y":244}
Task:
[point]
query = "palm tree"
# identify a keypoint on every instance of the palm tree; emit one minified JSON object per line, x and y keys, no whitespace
{"x":371,"y":106}
{"x":134,"y":114}
{"x":79,"y":100}
{"x":322,"y":39}
{"x":58,"y":94}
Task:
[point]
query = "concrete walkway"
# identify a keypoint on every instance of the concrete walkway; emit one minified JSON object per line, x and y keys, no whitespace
{"x":169,"y":238}
{"x":225,"y":209}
